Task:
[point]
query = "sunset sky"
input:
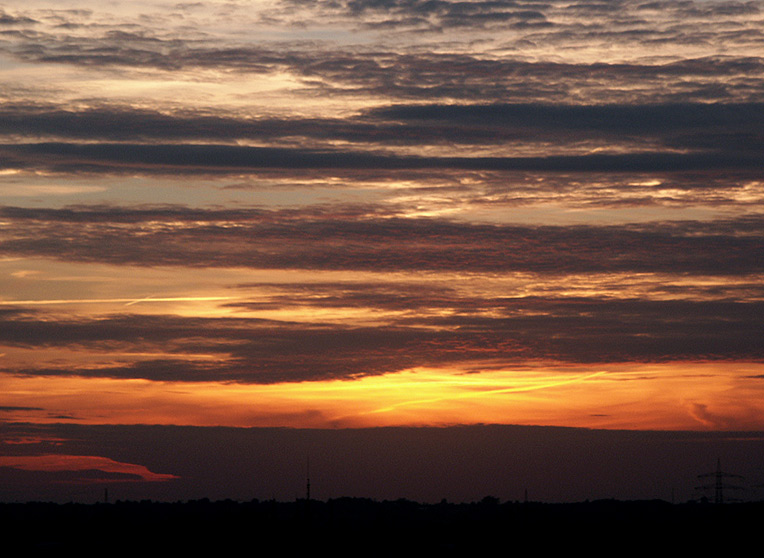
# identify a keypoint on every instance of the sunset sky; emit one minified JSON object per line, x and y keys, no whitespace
{"x":265,"y":229}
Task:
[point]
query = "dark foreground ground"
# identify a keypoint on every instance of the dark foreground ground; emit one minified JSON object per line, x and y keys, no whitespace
{"x":361,"y":527}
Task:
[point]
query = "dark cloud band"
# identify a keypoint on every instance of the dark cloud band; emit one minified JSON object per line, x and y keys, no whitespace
{"x":320,"y":239}
{"x":168,"y":159}
{"x":517,"y":331}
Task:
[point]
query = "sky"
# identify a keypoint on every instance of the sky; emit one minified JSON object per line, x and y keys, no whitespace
{"x":234,"y":234}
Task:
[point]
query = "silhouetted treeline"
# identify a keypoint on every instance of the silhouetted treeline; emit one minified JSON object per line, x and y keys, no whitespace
{"x":366,"y":527}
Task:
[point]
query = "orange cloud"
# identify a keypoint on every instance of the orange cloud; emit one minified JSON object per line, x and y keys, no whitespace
{"x":59,"y":463}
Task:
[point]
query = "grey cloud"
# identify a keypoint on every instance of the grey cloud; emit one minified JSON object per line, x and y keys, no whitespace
{"x":410,"y":298}
{"x":220,"y":158}
{"x":567,"y":25}
{"x":399,"y":296}
{"x":6,"y":311}
{"x":617,"y":118}
{"x":250,"y":351}
{"x":699,"y":125}
{"x":12,"y":20}
{"x":317,"y":240}
{"x":416,"y":75}
{"x":705,"y":9}
{"x":436,"y":295}
{"x":426,"y":14}
{"x":588,"y":330}
{"x":521,"y":330}
{"x":440,"y":14}
{"x":696,"y":125}
{"x":121,"y":123}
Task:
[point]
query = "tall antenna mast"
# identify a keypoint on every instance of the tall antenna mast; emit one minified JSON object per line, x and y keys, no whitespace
{"x":307,"y":488}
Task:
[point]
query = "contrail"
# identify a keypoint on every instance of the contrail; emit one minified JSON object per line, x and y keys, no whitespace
{"x":487,"y":392}
{"x":126,"y":301}
{"x":148,"y":298}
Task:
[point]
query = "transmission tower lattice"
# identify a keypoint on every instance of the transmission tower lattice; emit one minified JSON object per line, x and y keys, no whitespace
{"x":719,"y":486}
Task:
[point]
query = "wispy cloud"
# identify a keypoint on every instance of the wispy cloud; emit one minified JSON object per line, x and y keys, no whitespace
{"x":347,"y":189}
{"x":436,"y":331}
{"x":83,"y":468}
{"x":314,"y":239}
{"x":169,"y":159}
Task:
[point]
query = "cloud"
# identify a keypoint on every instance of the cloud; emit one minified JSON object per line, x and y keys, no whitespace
{"x":440,"y":15}
{"x":7,"y":19}
{"x":81,"y":468}
{"x":171,"y":159}
{"x":478,"y":155}
{"x":697,"y":124}
{"x":708,"y":50}
{"x":431,"y":107}
{"x":528,"y":121}
{"x":701,"y":413}
{"x":319,"y":239}
{"x":441,"y":328}
{"x":623,"y":17}
{"x":416,"y":323}
{"x":396,"y":296}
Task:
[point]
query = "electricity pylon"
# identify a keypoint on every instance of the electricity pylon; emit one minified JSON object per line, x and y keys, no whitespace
{"x":719,"y":485}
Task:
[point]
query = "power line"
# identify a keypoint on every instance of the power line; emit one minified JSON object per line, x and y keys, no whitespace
{"x":719,"y":486}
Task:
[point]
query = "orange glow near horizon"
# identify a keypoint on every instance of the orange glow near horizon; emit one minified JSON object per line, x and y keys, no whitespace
{"x":354,"y":215}
{"x":679,"y":396}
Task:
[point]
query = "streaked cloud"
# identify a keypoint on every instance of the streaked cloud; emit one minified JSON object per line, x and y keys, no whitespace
{"x":315,"y":238}
{"x":279,"y":196}
{"x":427,"y":329}
{"x":164,"y":159}
{"x":78,"y":468}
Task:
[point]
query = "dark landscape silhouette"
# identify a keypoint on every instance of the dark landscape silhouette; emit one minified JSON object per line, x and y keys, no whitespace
{"x":366,"y":526}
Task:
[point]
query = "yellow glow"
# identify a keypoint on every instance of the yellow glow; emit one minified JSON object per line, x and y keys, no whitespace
{"x":126,"y":301}
{"x":668,"y":396}
{"x":527,"y":385}
{"x":46,"y":189}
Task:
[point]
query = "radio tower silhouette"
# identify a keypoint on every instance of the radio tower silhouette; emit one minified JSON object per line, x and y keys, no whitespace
{"x":719,"y":485}
{"x":307,"y":487}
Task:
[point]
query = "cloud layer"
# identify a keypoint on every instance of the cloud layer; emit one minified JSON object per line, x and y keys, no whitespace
{"x":302,"y":191}
{"x":321,"y":239}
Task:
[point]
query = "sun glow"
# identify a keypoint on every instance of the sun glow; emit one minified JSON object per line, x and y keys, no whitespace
{"x":679,"y":396}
